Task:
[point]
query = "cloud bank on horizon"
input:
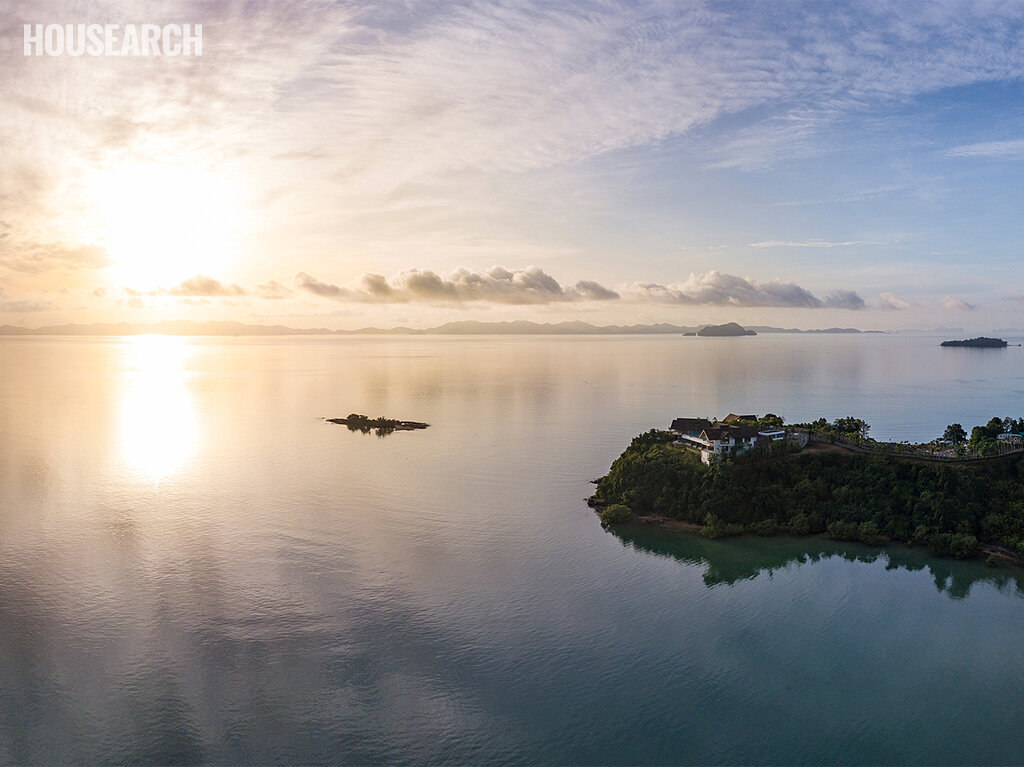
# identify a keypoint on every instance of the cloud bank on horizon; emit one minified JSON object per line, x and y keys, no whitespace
{"x":531,"y":286}
{"x":874,"y":146}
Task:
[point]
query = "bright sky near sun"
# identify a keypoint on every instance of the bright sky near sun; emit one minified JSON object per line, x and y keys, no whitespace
{"x":408,"y":163}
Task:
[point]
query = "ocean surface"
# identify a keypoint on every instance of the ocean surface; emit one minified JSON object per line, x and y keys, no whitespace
{"x":196,"y":568}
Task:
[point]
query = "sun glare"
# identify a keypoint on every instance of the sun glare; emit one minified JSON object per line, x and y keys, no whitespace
{"x":158,"y":420}
{"x":162,"y":224}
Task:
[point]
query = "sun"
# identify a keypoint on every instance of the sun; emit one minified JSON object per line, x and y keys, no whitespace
{"x":162,"y":224}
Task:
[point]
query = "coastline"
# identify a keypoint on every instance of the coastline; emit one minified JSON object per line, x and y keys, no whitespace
{"x":680,"y":527}
{"x":828,"y":490}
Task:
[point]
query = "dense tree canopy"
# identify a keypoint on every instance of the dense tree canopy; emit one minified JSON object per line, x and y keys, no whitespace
{"x":947,"y":506}
{"x":954,"y":433}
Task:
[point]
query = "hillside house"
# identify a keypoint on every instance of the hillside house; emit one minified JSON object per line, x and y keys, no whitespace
{"x":719,"y":439}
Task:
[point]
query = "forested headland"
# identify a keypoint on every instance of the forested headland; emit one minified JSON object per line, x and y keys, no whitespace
{"x":953,"y":508}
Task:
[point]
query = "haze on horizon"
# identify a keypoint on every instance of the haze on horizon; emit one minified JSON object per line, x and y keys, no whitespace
{"x":381,"y":164}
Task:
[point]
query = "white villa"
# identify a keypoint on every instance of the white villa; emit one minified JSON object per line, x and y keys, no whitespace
{"x":720,"y":439}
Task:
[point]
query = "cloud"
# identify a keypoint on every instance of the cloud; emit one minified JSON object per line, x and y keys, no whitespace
{"x":595,"y":291}
{"x":1004,"y":150}
{"x":12,"y":305}
{"x":312,"y":285}
{"x":862,"y":195}
{"x":811,"y":244}
{"x":35,"y":257}
{"x":272,"y":289}
{"x":844,"y":299}
{"x":717,"y":289}
{"x":519,"y":85}
{"x":892,"y":302}
{"x":534,"y":286}
{"x":383,"y":94}
{"x":498,"y":285}
{"x":955,"y":304}
{"x":402,"y":91}
{"x":762,"y":145}
{"x":201,"y":286}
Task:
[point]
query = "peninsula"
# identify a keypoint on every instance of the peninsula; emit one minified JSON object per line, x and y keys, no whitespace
{"x":957,"y":496}
{"x":981,"y":342}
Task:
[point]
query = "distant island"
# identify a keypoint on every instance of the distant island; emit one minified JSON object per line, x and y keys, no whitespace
{"x":460,"y":328}
{"x":381,"y":426}
{"x":981,"y":342}
{"x":728,"y":329}
{"x":958,"y":496}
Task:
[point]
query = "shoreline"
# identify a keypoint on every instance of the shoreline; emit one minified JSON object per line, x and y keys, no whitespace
{"x":678,"y":526}
{"x":838,"y":491}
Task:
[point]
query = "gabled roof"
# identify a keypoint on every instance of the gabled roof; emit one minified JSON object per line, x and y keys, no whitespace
{"x":721,"y":431}
{"x":732,"y":417}
{"x":690,"y":425}
{"x":744,"y":432}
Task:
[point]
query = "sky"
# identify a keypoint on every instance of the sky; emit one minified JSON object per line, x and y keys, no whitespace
{"x":350,"y":164}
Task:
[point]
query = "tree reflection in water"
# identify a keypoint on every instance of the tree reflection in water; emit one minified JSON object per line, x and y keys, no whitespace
{"x":735,"y":559}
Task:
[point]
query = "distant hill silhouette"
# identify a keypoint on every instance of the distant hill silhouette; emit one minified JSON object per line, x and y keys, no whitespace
{"x":167,"y":327}
{"x":463,"y":328}
{"x":728,"y":329}
{"x":981,"y":342}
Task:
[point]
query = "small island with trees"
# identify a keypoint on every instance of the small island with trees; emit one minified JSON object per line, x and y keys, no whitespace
{"x":981,"y":342}
{"x":380,"y":426}
{"x":960,"y":495}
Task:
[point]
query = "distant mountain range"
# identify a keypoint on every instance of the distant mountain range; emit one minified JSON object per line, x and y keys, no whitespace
{"x":462,"y":328}
{"x":167,"y":327}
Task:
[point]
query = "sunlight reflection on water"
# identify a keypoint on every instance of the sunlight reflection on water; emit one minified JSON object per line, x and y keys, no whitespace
{"x":196,"y":567}
{"x":158,"y":420}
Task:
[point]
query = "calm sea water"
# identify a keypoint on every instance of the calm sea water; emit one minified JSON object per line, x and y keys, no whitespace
{"x":194,"y":567}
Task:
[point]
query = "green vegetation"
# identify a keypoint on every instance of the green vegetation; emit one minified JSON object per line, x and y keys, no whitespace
{"x":948,"y":507}
{"x":981,"y":342}
{"x":616,"y":514}
{"x":767,"y":421}
{"x":714,"y":527}
{"x":984,"y":442}
{"x":848,"y":429}
{"x":954,"y":433}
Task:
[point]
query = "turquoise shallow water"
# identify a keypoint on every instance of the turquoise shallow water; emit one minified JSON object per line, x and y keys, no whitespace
{"x":195,"y":568}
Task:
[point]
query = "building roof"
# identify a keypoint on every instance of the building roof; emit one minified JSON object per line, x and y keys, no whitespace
{"x":732,"y":417}
{"x":721,"y":431}
{"x":690,"y":425}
